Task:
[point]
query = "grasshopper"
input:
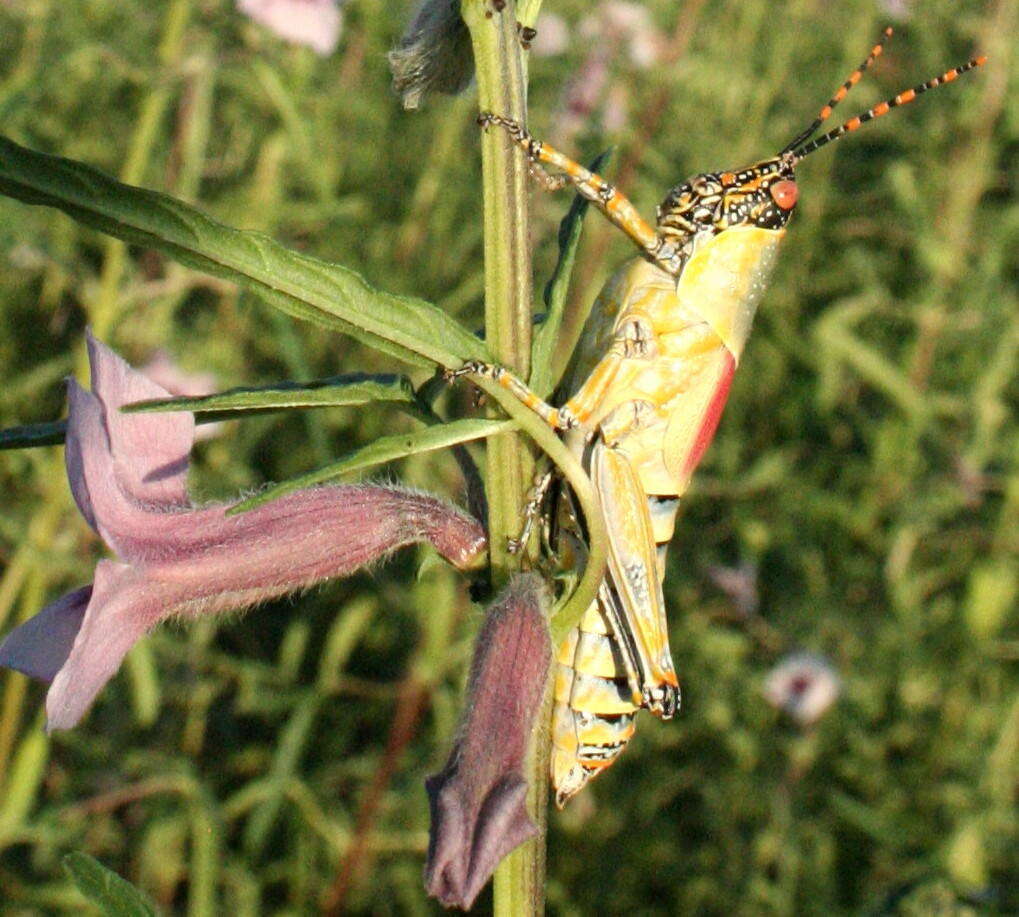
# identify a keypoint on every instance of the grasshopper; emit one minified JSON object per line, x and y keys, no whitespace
{"x":649,"y":380}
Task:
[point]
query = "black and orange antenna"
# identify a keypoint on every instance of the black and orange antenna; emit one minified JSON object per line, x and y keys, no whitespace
{"x":842,"y":92}
{"x":883,"y":108}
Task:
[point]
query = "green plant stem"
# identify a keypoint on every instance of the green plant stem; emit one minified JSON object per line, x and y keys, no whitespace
{"x":507,"y":256}
{"x":520,"y":878}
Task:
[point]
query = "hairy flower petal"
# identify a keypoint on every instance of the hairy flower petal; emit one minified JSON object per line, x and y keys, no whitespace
{"x":221,"y":563}
{"x":123,"y":607}
{"x":478,"y":800}
{"x":301,"y":538}
{"x":180,"y":383}
{"x":41,"y":645}
{"x":150,"y":451}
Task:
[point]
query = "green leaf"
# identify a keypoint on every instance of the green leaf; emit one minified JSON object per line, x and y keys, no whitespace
{"x":332,"y":296}
{"x":546,"y":337}
{"x":336,"y":391}
{"x":113,"y":895}
{"x":382,"y":450}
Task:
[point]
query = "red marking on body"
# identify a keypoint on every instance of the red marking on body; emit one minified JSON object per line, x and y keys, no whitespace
{"x":712,"y":415}
{"x":784,"y":193}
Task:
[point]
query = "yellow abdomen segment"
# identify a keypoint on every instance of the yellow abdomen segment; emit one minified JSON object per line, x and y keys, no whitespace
{"x":593,"y":715}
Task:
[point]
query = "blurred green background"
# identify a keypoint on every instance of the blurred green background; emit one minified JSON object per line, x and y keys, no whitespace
{"x":863,"y":489}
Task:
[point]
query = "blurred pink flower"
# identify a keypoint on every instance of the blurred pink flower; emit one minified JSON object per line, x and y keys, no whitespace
{"x":617,"y":22}
{"x":739,"y":583}
{"x":314,"y":23}
{"x":804,"y":686}
{"x":478,"y":800}
{"x":553,"y":35}
{"x":610,"y":27}
{"x":616,"y":109}
{"x":128,"y":475}
{"x":901,"y":10}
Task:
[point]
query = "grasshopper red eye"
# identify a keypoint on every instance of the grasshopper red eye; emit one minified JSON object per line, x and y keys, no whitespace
{"x":784,"y":193}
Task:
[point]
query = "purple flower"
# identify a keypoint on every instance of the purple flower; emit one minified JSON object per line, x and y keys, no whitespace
{"x":478,"y":800}
{"x":128,"y":475}
{"x":315,"y":23}
{"x":804,"y":686}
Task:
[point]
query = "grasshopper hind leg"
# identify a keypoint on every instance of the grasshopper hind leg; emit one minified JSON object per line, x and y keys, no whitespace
{"x":637,"y":605}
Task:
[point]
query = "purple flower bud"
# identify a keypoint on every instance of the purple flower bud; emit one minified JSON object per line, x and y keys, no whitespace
{"x":434,"y":54}
{"x":478,"y":800}
{"x":128,"y":474}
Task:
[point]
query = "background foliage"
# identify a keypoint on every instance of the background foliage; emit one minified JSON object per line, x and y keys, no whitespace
{"x":867,"y":468}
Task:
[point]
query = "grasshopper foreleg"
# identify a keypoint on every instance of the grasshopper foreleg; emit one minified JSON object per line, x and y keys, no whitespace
{"x":608,"y":199}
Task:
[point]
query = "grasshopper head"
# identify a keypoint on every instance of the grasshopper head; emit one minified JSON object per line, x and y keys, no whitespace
{"x":761,"y":195}
{"x":764,"y":195}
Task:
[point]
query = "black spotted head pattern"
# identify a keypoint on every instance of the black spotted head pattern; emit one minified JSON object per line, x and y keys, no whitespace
{"x":762,"y":195}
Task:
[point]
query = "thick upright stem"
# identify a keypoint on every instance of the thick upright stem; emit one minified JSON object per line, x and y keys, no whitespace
{"x":520,"y":879}
{"x":497,"y":55}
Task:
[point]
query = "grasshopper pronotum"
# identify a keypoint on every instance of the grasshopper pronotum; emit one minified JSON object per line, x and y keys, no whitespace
{"x":649,"y":380}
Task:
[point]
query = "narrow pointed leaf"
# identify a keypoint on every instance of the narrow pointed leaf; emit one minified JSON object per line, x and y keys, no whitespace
{"x":53,"y":432}
{"x":50,"y":433}
{"x":546,"y":337}
{"x":332,"y":296}
{"x":110,"y":893}
{"x":337,"y":391}
{"x":385,"y":449}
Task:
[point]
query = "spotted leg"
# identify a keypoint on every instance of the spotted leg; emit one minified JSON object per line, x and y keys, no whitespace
{"x":613,"y":203}
{"x":535,"y":497}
